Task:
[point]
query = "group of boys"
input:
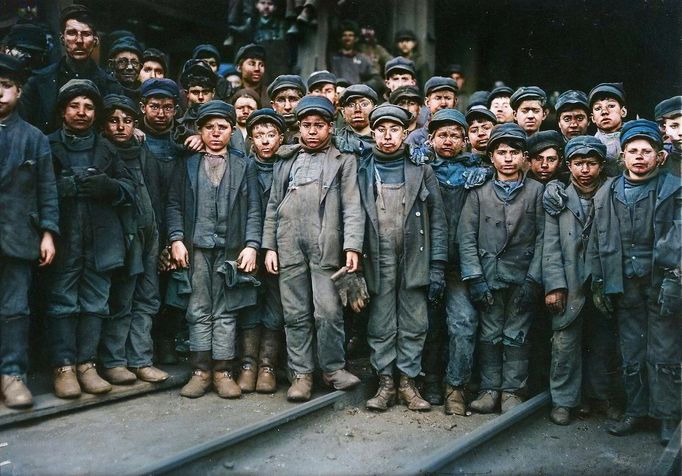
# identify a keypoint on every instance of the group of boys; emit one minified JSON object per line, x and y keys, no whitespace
{"x":462,"y":232}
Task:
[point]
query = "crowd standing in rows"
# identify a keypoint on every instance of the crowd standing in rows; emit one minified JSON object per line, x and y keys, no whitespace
{"x":301,"y":215}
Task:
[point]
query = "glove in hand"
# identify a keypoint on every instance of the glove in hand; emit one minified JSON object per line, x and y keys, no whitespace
{"x":480,"y":294}
{"x":352,"y":289}
{"x":602,"y":301}
{"x":99,"y":187}
{"x":476,"y":176}
{"x":554,"y":199}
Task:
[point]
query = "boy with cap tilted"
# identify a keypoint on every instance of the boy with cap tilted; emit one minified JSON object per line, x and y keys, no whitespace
{"x":440,"y":93}
{"x":214,"y":227}
{"x":305,"y":247}
{"x":584,"y":359}
{"x":530,"y":108}
{"x":405,"y":255}
{"x":134,"y":295}
{"x":262,"y":325}
{"x":93,"y":186}
{"x":572,"y":113}
{"x":500,"y":244}
{"x":28,"y":224}
{"x":356,"y":137}
{"x":286,"y":91}
{"x":607,"y":105}
{"x":635,"y":256}
{"x":668,"y":115}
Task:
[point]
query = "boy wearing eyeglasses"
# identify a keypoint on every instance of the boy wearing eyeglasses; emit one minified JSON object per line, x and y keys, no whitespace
{"x":356,"y":136}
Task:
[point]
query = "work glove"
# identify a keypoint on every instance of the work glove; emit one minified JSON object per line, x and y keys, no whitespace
{"x":602,"y":301}
{"x":554,"y":199}
{"x":436,"y":282}
{"x":234,"y":277}
{"x":669,"y":296}
{"x":480,"y":294}
{"x":527,"y":295}
{"x":66,"y":185}
{"x":165,"y":262}
{"x":98,"y":186}
{"x":476,"y":176}
{"x":352,"y":289}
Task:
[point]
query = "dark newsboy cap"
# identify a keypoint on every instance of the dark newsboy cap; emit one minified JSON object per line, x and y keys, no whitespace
{"x":315,"y":105}
{"x":265,"y":115}
{"x":527,"y":93}
{"x":197,"y":68}
{"x":668,"y":108}
{"x":320,"y":77}
{"x":640,"y":129}
{"x":438,"y":83}
{"x":357,"y":91}
{"x":250,"y":51}
{"x":405,"y":35}
{"x":405,"y":92}
{"x":446,"y":117}
{"x":500,"y":91}
{"x":389,"y":112}
{"x":163,"y":87}
{"x":585,"y":145}
{"x":478,"y":98}
{"x":286,"y":81}
{"x":480,"y":112}
{"x":610,"y":90}
{"x":509,"y":131}
{"x":125,"y":44}
{"x":397,"y":64}
{"x":206,"y":51}
{"x":12,"y":67}
{"x":216,"y":108}
{"x":79,"y":87}
{"x":119,"y":101}
{"x":544,"y":140}
{"x":572,"y":97}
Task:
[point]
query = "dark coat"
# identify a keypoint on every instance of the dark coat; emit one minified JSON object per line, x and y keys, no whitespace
{"x":108,"y":236}
{"x":38,"y":102}
{"x":342,"y":218}
{"x":563,"y":256}
{"x":243,"y":220}
{"x":499,"y":241}
{"x":28,"y":192}
{"x":425,"y":228}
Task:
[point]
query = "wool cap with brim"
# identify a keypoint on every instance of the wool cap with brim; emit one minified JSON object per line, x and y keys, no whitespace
{"x":250,"y":51}
{"x":440,"y":83}
{"x":358,"y":91}
{"x":245,"y":92}
{"x":480,"y":112}
{"x":28,"y":36}
{"x":315,"y":105}
{"x":544,"y":140}
{"x":119,"y":101}
{"x":389,"y":112}
{"x":206,"y":51}
{"x":79,"y":87}
{"x":447,"y":117}
{"x":399,"y":64}
{"x":197,"y":68}
{"x":216,"y":108}
{"x":608,"y":90}
{"x":507,"y":132}
{"x":162,"y":87}
{"x":342,"y":82}
{"x":478,"y":98}
{"x":13,"y":68}
{"x":584,"y":145}
{"x":76,"y":12}
{"x":667,"y":108}
{"x":527,"y":93}
{"x":454,"y":68}
{"x":265,"y":115}
{"x":286,"y":81}
{"x":640,"y":129}
{"x":320,"y":77}
{"x":405,"y":92}
{"x":572,"y":98}
{"x":125,"y":44}
{"x":153,"y":54}
{"x":402,"y":35}
{"x":500,"y":91}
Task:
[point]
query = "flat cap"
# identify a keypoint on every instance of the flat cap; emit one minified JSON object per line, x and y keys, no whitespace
{"x":77,"y":12}
{"x":500,"y":91}
{"x":402,"y":35}
{"x":610,"y":90}
{"x":399,"y":64}
{"x":318,"y":78}
{"x":571,"y":98}
{"x":153,"y":54}
{"x":162,"y":87}
{"x":265,"y":115}
{"x":216,"y":108}
{"x":478,"y":98}
{"x":544,"y":140}
{"x":79,"y":87}
{"x":584,"y":145}
{"x":197,"y":68}
{"x":342,"y":82}
{"x":125,"y":44}
{"x":405,"y":92}
{"x":250,"y":51}
{"x":286,"y":81}
{"x":12,"y":67}
{"x":454,"y":68}
{"x":27,"y":36}
{"x":668,"y":108}
{"x":640,"y":129}
{"x":358,"y":91}
{"x":508,"y":131}
{"x":527,"y":93}
{"x":206,"y":51}
{"x":315,"y":105}
{"x":439,"y":83}
{"x":446,"y":117}
{"x":389,"y":112}
{"x":480,"y":112}
{"x":119,"y":101}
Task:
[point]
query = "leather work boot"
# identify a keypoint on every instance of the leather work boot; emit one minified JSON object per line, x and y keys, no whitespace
{"x":560,"y":416}
{"x":250,"y":344}
{"x":301,"y":388}
{"x":267,"y":360}
{"x":90,"y":380}
{"x":385,"y":396}
{"x":509,"y":401}
{"x":119,"y":376}
{"x":16,"y":394}
{"x":150,"y":374}
{"x":409,"y":395}
{"x":225,"y":385}
{"x":432,"y":389}
{"x":340,"y":379}
{"x":626,"y":426}
{"x":486,"y":402}
{"x":65,"y":382}
{"x":198,"y":384}
{"x":668,"y":427}
{"x":454,"y":401}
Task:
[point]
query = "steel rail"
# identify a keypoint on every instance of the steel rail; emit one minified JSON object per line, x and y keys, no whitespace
{"x":233,"y":437}
{"x":480,"y":435}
